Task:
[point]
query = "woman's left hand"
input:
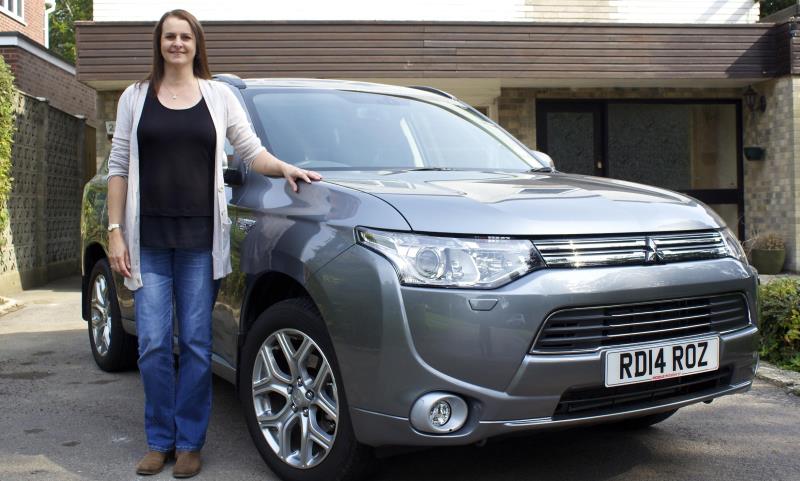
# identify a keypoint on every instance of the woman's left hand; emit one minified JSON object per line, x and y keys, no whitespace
{"x":292,"y":174}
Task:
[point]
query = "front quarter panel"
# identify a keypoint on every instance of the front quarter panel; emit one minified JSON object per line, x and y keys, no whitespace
{"x":298,"y":233}
{"x":276,"y":230}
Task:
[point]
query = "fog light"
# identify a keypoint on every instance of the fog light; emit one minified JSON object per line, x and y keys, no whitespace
{"x":439,"y":413}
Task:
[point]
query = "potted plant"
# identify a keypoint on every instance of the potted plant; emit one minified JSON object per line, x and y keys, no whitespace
{"x":768,"y":253}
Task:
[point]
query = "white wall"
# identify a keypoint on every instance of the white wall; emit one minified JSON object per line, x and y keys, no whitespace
{"x":636,"y":11}
{"x":643,"y":11}
{"x":475,"y":10}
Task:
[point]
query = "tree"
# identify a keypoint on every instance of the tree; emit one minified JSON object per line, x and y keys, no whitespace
{"x":62,"y":25}
{"x":768,"y":7}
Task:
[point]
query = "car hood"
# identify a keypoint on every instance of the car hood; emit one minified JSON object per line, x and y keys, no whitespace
{"x":526,"y":204}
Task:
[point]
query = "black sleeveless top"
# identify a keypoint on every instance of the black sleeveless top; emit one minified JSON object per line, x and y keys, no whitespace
{"x":176,"y":181}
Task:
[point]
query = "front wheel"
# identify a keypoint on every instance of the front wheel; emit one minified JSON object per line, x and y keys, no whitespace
{"x":294,"y":400}
{"x":113,"y":348}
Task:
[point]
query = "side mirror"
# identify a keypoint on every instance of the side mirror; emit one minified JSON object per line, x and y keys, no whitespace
{"x":543,"y":158}
{"x":233,"y":176}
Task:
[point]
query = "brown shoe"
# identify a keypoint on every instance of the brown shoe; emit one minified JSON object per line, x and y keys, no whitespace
{"x":187,"y":464}
{"x":152,"y":463}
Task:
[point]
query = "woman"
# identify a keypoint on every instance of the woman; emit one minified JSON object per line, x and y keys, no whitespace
{"x":169,"y":229}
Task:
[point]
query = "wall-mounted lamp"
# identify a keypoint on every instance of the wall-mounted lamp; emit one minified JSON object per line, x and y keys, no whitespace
{"x":753,"y":101}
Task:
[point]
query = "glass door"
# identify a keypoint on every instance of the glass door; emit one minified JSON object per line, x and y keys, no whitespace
{"x":690,"y":146}
{"x":572,"y":134}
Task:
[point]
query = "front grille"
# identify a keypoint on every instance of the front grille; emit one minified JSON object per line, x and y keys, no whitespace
{"x":628,"y":250}
{"x":590,"y":328}
{"x":601,"y":400}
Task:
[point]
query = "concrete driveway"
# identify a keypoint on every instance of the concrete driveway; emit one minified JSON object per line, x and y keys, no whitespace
{"x":64,"y":419}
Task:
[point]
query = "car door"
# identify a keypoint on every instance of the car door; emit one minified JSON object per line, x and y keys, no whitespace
{"x":227,"y":308}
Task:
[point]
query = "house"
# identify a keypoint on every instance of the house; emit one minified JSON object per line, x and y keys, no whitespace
{"x":38,"y":71}
{"x":666,"y":93}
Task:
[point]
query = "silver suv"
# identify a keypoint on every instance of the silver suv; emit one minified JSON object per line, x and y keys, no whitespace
{"x":443,"y":285}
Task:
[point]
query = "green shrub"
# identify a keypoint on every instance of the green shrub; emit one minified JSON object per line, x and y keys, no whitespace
{"x":769,"y":7}
{"x":7,"y":94}
{"x":779,"y":304}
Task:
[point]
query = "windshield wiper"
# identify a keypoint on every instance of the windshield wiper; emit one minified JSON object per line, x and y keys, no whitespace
{"x":424,"y":169}
{"x":542,"y":169}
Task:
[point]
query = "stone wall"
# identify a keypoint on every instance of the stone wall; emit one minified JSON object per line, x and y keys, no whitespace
{"x":106,"y":111}
{"x":42,"y":240}
{"x":771,"y":185}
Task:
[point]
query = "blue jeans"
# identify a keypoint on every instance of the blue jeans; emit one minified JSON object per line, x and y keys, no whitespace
{"x":176,"y":411}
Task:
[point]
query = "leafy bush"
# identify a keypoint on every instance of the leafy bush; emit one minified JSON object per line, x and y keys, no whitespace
{"x":779,"y":304}
{"x":7,"y":95}
{"x":769,"y":7}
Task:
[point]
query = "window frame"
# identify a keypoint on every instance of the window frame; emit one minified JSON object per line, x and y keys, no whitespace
{"x":17,"y":14}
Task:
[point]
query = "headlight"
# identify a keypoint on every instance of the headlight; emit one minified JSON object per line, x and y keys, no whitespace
{"x":735,"y":249}
{"x":477,"y":263}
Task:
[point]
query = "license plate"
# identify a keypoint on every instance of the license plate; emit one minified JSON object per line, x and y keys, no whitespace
{"x":661,"y":361}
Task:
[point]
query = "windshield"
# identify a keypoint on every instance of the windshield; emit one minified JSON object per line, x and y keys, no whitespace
{"x":334,"y":129}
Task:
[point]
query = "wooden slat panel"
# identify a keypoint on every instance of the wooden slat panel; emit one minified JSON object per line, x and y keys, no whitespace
{"x":112,"y":51}
{"x":572,"y":28}
{"x":630,"y":62}
{"x":566,"y":44}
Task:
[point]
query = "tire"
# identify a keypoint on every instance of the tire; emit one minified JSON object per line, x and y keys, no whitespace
{"x":645,"y":421}
{"x":299,"y":396}
{"x":113,"y":348}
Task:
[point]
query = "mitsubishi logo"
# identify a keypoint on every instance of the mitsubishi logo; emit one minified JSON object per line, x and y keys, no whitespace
{"x":651,"y":253}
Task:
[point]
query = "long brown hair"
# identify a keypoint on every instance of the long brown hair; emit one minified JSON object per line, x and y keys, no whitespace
{"x":200,"y":62}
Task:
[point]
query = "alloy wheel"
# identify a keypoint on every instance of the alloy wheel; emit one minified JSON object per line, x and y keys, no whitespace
{"x":101,"y":315}
{"x":295,"y":398}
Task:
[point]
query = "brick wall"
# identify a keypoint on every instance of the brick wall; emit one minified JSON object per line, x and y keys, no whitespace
{"x":39,"y":78}
{"x":34,"y":21}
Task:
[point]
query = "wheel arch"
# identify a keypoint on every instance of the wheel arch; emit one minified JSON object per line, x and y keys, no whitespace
{"x":267,"y":289}
{"x":264,"y":291}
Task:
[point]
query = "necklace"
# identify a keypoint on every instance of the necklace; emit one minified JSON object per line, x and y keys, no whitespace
{"x":170,"y":91}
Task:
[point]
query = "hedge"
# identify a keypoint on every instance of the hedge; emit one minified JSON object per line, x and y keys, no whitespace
{"x":779,"y":305}
{"x":7,"y":95}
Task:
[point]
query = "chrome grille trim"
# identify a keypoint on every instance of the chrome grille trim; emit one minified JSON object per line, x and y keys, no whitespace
{"x":638,"y":249}
{"x":589,"y":329}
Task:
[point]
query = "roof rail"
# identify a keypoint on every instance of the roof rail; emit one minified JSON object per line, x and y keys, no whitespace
{"x":434,"y":90}
{"x":231,"y":79}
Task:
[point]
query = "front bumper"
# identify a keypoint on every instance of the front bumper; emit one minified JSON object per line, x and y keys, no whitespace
{"x":394,"y":344}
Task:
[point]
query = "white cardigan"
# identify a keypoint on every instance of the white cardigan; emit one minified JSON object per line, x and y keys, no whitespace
{"x":230,"y":121}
